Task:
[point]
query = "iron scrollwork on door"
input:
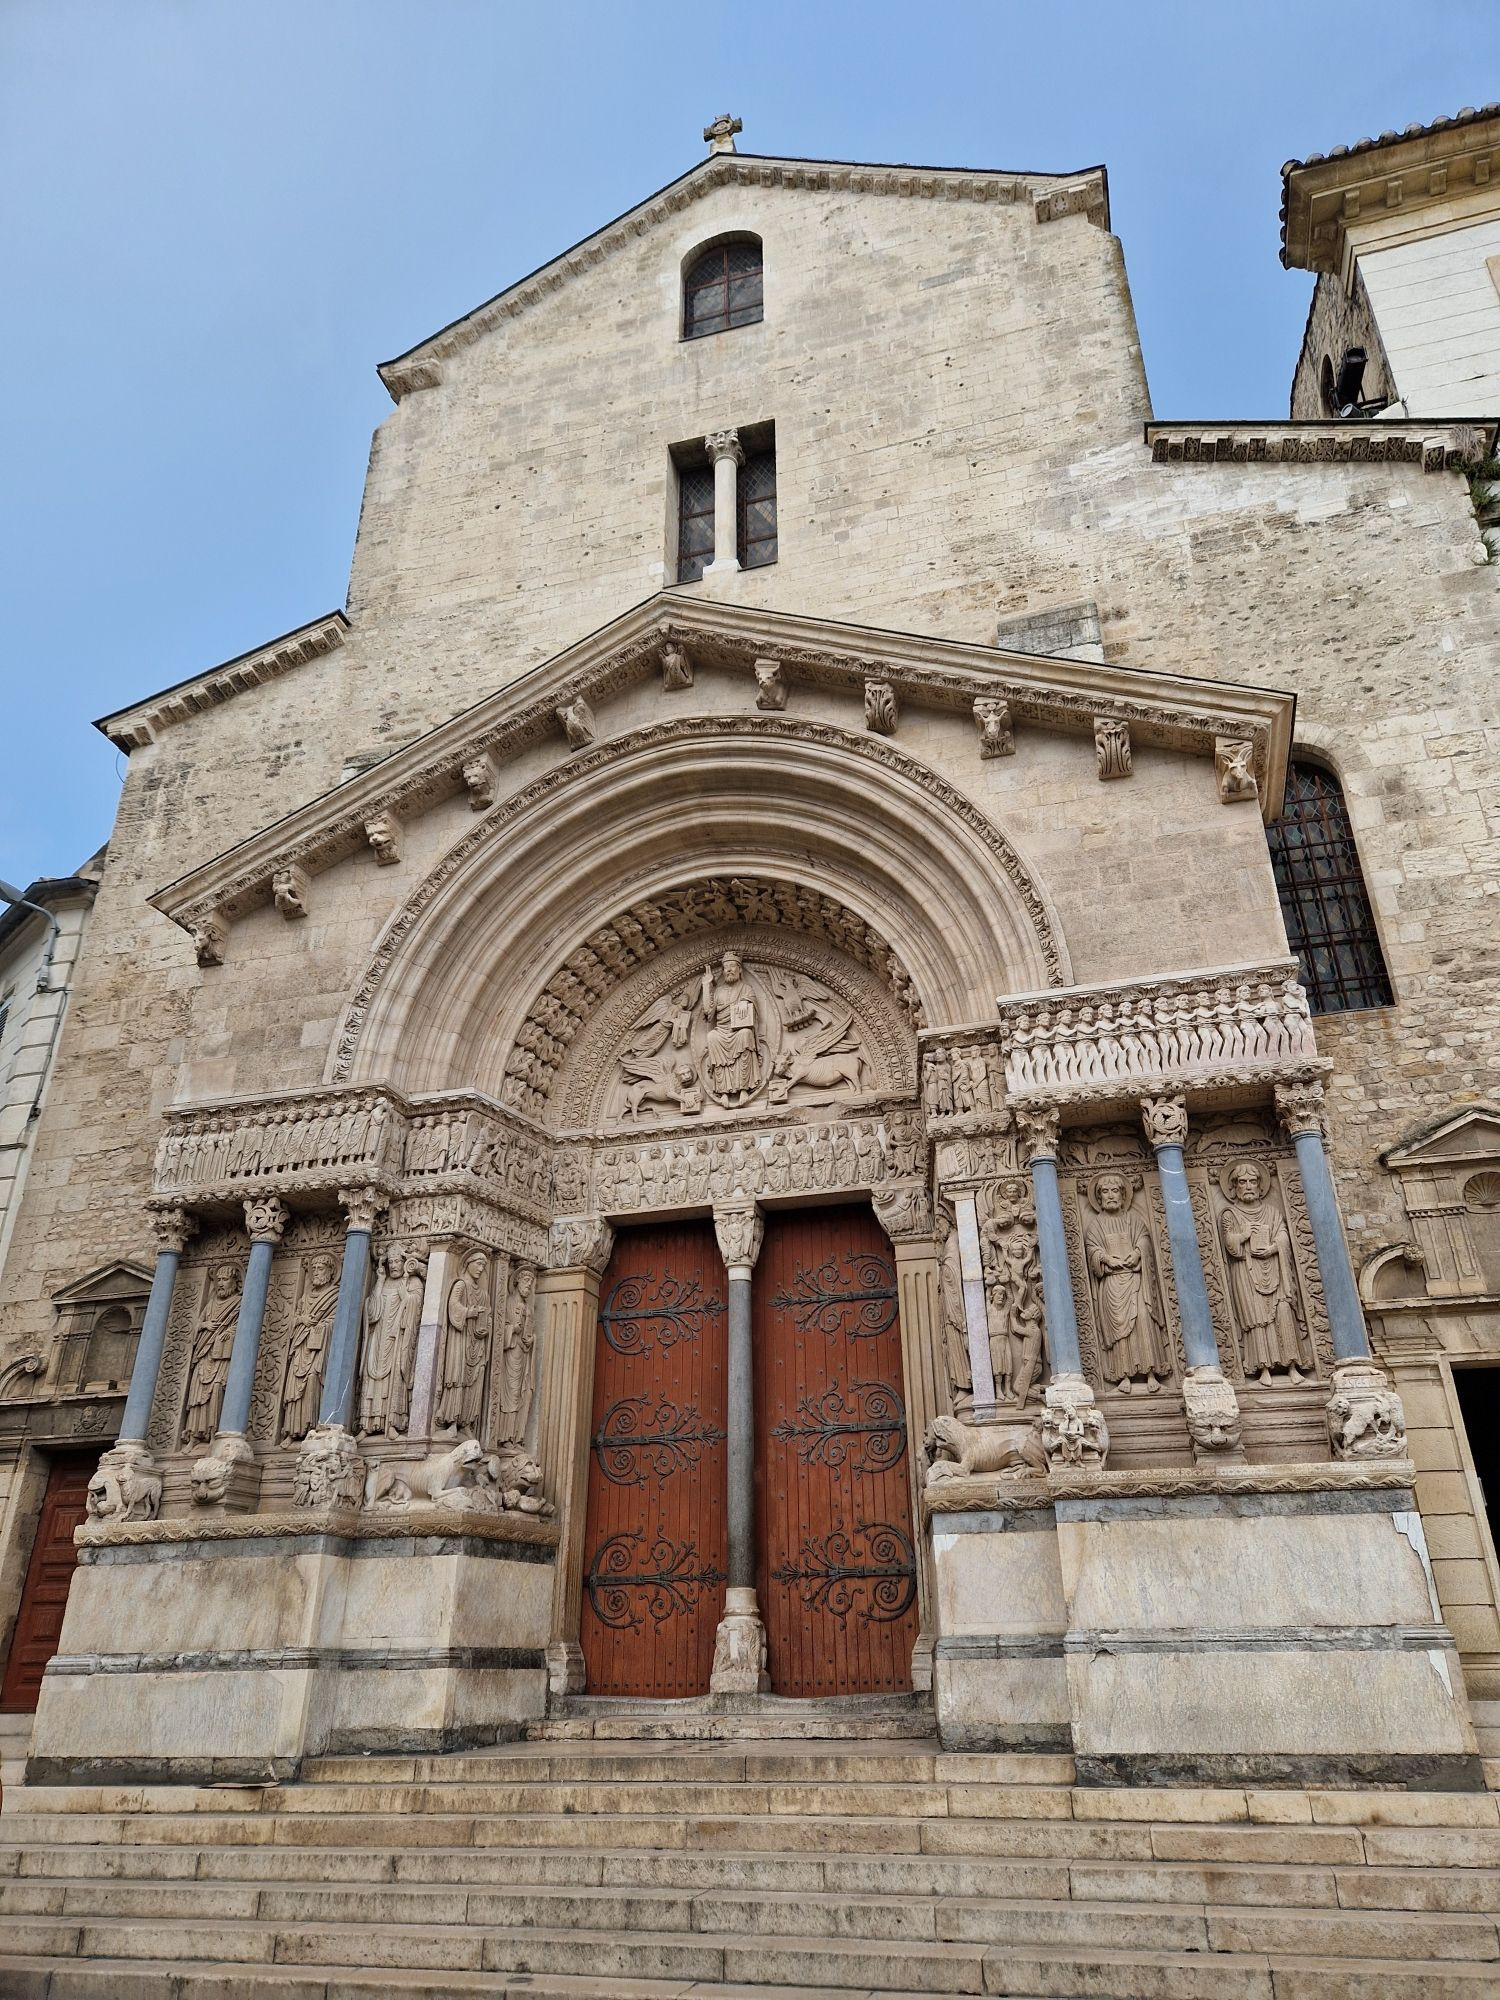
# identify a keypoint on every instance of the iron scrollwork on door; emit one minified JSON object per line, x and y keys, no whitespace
{"x":835,"y":1572}
{"x":826,"y":1427}
{"x":853,"y":1295}
{"x":672,"y":1309}
{"x":664,"y":1576}
{"x":641,"y":1438}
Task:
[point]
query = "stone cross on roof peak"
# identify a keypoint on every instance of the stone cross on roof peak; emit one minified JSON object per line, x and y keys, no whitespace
{"x":720,"y":135}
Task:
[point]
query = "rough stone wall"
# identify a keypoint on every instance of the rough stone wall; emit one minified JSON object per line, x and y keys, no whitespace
{"x":1337,"y":318}
{"x":958,"y":396}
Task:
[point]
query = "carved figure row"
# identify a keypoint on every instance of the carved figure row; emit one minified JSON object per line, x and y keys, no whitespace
{"x":847,"y":1153}
{"x":294,"y":1138}
{"x":958,"y":1080}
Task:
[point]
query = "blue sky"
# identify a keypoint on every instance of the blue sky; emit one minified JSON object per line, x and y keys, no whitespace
{"x":216,"y":216}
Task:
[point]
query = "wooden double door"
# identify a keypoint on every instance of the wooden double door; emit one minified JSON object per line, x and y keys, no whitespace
{"x":44,"y":1595}
{"x":835,"y":1552}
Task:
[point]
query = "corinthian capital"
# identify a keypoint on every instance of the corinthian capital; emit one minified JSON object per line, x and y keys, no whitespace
{"x":1165,"y":1120}
{"x":740,"y":1228}
{"x":172,"y":1227}
{"x":1037,"y":1132}
{"x":266,"y":1216}
{"x":1299,"y":1106}
{"x":361,"y":1205}
{"x":724,"y":444}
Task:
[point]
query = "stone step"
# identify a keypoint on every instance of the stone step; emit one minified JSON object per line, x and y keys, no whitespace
{"x":119,"y":1979}
{"x":860,"y":1763}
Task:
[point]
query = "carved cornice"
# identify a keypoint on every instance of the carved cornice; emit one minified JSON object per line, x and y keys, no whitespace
{"x":1052,"y":196}
{"x":1434,"y":445}
{"x":420,"y":1522}
{"x":144,"y":721}
{"x":1326,"y":195}
{"x":1396,"y":1474}
{"x":462,"y":755}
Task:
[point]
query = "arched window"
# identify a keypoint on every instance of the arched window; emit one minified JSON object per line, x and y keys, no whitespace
{"x":722,"y":288}
{"x":1329,"y":922}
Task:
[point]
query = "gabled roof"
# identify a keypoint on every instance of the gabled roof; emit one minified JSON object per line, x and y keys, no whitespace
{"x":1400,"y":170}
{"x":463,"y":753}
{"x":1051,"y":195}
{"x":143,"y":720}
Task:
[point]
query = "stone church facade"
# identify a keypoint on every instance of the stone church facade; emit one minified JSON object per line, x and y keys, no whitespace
{"x":703,"y":1096}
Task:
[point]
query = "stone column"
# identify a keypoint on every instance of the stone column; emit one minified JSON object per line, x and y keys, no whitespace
{"x":740,"y":1643}
{"x":577,"y":1252}
{"x":724,"y":449}
{"x":127,"y":1486}
{"x":227,"y":1473}
{"x":1213,"y":1415}
{"x":1365,"y":1417}
{"x":330,"y":1471}
{"x":444,"y":1261}
{"x":905,"y":1214}
{"x":1074,"y":1432}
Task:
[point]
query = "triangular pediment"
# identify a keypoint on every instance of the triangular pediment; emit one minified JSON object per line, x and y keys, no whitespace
{"x":120,"y":1280}
{"x":669,"y":638}
{"x":1470,"y":1134}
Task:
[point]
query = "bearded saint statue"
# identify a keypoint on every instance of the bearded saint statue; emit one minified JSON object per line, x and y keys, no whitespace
{"x":303,"y":1384}
{"x":393,"y":1313}
{"x":208,"y":1366}
{"x":1262,"y":1275}
{"x":732,"y":1056}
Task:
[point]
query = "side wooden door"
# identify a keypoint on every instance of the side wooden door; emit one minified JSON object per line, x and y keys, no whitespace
{"x":837,"y":1574}
{"x":44,"y":1596}
{"x":655,"y":1525}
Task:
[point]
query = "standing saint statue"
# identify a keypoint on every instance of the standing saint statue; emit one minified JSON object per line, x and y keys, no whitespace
{"x":1262,"y":1275}
{"x":517,"y":1344}
{"x":208,"y":1363}
{"x":302,"y":1385}
{"x":732,"y":1053}
{"x":1121,"y":1260}
{"x":393,"y":1313}
{"x":955,"y":1320}
{"x":466,"y":1348}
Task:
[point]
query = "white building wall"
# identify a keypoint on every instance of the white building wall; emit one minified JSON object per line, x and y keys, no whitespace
{"x":1437,"y":303}
{"x":28,"y":1042}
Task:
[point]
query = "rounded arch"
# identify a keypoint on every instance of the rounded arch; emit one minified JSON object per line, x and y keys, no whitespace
{"x":723,"y":284}
{"x":851,"y":819}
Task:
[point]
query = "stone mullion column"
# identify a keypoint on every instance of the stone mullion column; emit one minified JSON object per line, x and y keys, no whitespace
{"x":568,"y":1292}
{"x":1213,"y":1414}
{"x":443,"y":1263}
{"x":1074,"y":1432}
{"x":724,"y":448}
{"x":740,"y":1643}
{"x":920,"y":1311}
{"x":330,"y":1471}
{"x":227,"y":1472}
{"x":127,"y":1485}
{"x":1365,"y":1416}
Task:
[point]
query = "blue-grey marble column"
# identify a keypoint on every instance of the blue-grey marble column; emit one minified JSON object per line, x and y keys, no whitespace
{"x":1165,"y":1119}
{"x":740,"y":1643}
{"x":360,"y":1206}
{"x":1300,"y":1107}
{"x":173,"y":1226}
{"x":1039,"y":1133}
{"x":266,"y":1218}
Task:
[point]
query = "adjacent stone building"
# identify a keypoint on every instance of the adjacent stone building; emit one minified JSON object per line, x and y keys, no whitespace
{"x":710,"y":1084}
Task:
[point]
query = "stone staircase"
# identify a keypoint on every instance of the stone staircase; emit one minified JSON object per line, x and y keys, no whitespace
{"x":603,"y":1868}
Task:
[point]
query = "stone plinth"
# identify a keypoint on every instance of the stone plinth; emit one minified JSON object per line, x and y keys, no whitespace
{"x":234,"y":1649}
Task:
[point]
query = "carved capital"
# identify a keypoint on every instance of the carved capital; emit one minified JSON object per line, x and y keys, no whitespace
{"x":580,"y":1243}
{"x":770,"y":684}
{"x":1300,"y":1107}
{"x":997,"y":737}
{"x":1365,"y":1417}
{"x":676,"y":667}
{"x":577,"y":720}
{"x":383,"y":831}
{"x":479,"y":782}
{"x":290,"y":887}
{"x":266,"y":1216}
{"x":1165,"y":1120}
{"x":740,"y":1228}
{"x":1037,"y":1130}
{"x":903,"y":1210}
{"x":1074,"y":1433}
{"x":1112,"y":746}
{"x":330,"y":1471}
{"x":881,"y":708}
{"x":724,"y":444}
{"x":361,"y":1206}
{"x":1234,"y":768}
{"x":126,"y":1486}
{"x":210,"y":935}
{"x":172,"y":1226}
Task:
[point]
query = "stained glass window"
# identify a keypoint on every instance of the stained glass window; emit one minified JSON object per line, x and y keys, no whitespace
{"x":1324,"y":902}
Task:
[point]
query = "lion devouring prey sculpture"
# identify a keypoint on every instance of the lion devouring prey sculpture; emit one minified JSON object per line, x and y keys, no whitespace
{"x":974,"y":1450}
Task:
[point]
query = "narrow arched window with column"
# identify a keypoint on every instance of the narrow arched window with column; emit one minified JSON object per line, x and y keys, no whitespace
{"x":1326,"y":907}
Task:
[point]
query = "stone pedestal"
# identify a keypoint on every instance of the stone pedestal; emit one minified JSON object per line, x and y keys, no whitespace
{"x":740,"y":1647}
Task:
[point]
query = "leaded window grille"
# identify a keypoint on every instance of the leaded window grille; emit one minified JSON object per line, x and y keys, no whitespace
{"x":723,"y":288}
{"x":756,"y":528}
{"x":1329,"y":922}
{"x":695,"y":521}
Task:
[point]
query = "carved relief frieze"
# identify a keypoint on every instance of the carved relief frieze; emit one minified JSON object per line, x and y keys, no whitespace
{"x":849,"y":1155}
{"x":1242,"y":1025}
{"x":432,"y":1218}
{"x":963,"y":1076}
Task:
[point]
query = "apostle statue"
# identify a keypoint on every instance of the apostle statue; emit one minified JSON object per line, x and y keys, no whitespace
{"x":517,"y":1343}
{"x":470,"y":1322}
{"x":1262,"y":1275}
{"x":732,"y":1054}
{"x":955,"y":1320}
{"x":208,"y":1361}
{"x":312,"y":1322}
{"x":1121,"y":1261}
{"x":393,"y":1313}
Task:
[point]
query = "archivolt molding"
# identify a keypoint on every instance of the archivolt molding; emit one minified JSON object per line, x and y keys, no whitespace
{"x":993,"y":890}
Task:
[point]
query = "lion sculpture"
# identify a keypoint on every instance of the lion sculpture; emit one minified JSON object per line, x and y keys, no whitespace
{"x":464,"y":1477}
{"x":957,"y":1450}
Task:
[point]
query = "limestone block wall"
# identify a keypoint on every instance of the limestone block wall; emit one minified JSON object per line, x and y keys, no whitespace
{"x":1338,"y":317}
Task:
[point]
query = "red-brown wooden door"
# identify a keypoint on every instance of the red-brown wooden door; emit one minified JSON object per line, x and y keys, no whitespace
{"x":836,"y":1559}
{"x":44,"y":1596}
{"x":655,"y":1538}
